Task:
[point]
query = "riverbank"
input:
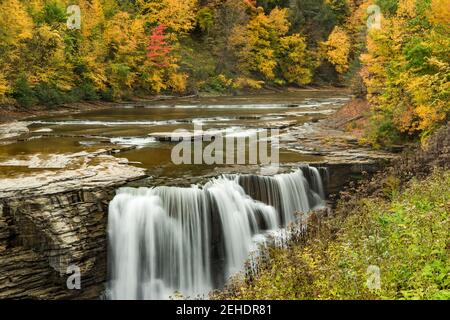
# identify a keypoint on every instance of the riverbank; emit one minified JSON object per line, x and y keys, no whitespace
{"x":387,"y":238}
{"x":9,"y":113}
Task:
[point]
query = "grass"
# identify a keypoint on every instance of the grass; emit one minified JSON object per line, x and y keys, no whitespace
{"x":406,"y":236}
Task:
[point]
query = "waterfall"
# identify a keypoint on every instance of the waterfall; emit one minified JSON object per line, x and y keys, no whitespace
{"x":241,"y":217}
{"x":191,"y":240}
{"x":299,"y":191}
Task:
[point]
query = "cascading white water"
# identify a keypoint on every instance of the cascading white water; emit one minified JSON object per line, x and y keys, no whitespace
{"x":159,"y":243}
{"x":299,"y":195}
{"x":239,"y":218}
{"x":294,"y":197}
{"x":190,"y":240}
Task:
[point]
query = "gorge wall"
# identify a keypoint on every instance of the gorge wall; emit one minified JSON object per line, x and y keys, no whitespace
{"x":55,"y":220}
{"x":40,"y":236}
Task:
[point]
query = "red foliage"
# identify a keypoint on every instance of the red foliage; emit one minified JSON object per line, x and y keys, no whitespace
{"x":158,"y":49}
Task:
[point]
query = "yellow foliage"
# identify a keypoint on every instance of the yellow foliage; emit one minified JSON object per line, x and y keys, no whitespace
{"x":242,"y":82}
{"x":440,"y":12}
{"x":177,"y":15}
{"x":92,"y":48}
{"x":46,"y":58}
{"x":177,"y":82}
{"x":407,"y":69}
{"x":92,"y":17}
{"x":263,"y":46}
{"x":406,"y":9}
{"x":154,"y":81}
{"x":294,"y":64}
{"x":338,"y":49}
{"x":425,"y":89}
{"x":257,"y":41}
{"x":358,"y":15}
{"x":15,"y":23}
{"x":4,"y":87}
{"x":125,"y":33}
{"x":35,"y":6}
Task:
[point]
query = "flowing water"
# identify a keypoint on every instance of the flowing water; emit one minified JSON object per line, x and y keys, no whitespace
{"x":190,"y":240}
{"x":132,"y":125}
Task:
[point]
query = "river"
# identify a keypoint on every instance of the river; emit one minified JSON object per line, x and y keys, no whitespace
{"x":133,"y":125}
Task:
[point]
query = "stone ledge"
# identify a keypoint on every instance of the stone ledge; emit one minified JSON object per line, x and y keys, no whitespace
{"x":51,"y":220}
{"x":97,"y":172}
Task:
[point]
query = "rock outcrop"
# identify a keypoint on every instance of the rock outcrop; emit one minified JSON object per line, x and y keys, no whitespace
{"x":335,"y":146}
{"x":12,"y":130}
{"x":53,"y":220}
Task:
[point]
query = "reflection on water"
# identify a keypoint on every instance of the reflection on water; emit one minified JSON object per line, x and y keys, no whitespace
{"x":131,"y":126}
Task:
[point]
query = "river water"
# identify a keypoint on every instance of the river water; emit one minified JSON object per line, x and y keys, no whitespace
{"x":132,"y":125}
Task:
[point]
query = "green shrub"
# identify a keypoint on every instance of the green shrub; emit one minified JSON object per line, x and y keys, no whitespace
{"x":218,"y":83}
{"x":53,"y":13}
{"x":388,"y":7}
{"x":107,"y":94}
{"x":84,"y":92}
{"x":23,"y":93}
{"x":205,"y":19}
{"x":49,"y":95}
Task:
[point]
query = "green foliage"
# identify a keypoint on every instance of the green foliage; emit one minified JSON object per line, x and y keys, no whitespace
{"x":205,"y":19}
{"x":53,"y":14}
{"x":49,"y":95}
{"x":391,"y":186}
{"x":107,"y":94}
{"x":417,"y":54}
{"x":406,"y":237}
{"x":314,"y":18}
{"x":219,"y":83}
{"x":381,"y":131}
{"x":87,"y":92}
{"x":388,"y":7}
{"x":340,"y":9}
{"x":23,"y":93}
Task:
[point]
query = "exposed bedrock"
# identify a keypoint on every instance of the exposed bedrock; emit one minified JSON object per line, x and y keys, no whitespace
{"x":58,"y":223}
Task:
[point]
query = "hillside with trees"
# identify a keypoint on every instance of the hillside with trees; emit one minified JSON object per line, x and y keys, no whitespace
{"x":126,"y":49}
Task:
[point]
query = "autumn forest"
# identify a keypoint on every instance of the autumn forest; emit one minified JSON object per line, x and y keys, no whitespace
{"x":128,"y":48}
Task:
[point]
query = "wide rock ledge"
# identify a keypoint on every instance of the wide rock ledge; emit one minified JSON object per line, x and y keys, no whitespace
{"x":55,"y":219}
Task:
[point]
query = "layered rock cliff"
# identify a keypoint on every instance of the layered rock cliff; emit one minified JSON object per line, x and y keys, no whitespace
{"x":51,"y":221}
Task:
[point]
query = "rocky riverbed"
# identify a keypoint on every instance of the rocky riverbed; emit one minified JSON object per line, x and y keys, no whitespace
{"x":12,"y":130}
